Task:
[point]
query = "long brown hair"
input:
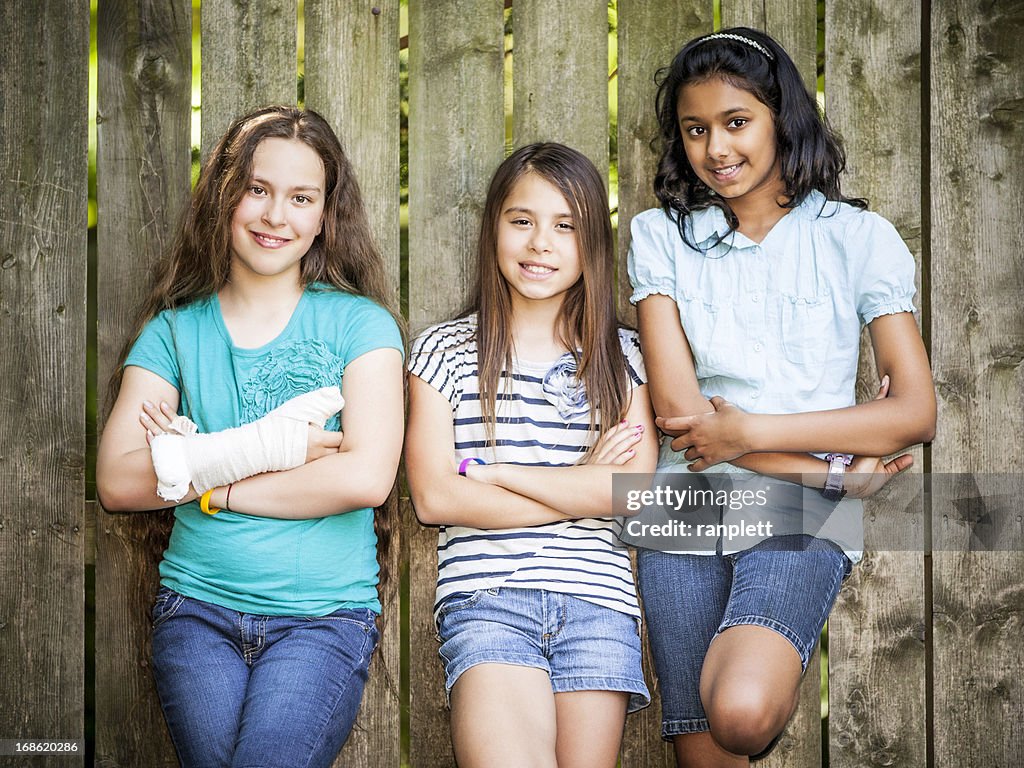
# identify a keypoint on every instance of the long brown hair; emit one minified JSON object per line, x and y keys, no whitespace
{"x":587,"y":324}
{"x":344,"y":254}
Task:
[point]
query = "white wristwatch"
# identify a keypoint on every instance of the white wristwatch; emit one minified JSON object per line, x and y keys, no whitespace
{"x":837,"y":464}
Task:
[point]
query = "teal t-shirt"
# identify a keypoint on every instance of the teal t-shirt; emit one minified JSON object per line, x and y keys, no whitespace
{"x":257,"y":564}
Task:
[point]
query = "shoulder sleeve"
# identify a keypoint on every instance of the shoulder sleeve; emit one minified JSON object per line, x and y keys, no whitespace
{"x":630,"y":341}
{"x":884,"y":267}
{"x":438,"y":356}
{"x":155,"y":349}
{"x":372,"y":328}
{"x":650,"y":262}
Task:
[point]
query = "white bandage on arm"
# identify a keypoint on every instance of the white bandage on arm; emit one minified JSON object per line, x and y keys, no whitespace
{"x":272,"y":444}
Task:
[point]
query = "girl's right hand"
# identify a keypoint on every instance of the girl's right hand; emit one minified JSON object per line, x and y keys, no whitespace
{"x":321,"y":443}
{"x":616,"y":446}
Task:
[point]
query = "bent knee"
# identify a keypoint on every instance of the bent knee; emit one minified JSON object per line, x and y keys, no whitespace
{"x":745,"y":721}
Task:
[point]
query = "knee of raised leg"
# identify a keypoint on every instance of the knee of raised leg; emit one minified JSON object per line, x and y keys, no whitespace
{"x":744,"y":721}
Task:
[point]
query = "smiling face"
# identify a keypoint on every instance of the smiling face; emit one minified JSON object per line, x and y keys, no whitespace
{"x":538,"y":253}
{"x":281,"y":212}
{"x":729,"y":138}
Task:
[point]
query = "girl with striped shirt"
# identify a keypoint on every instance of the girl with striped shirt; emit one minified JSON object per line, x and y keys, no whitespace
{"x":521,"y":410}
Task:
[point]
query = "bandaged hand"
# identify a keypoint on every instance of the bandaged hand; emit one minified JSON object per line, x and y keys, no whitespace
{"x":276,"y":442}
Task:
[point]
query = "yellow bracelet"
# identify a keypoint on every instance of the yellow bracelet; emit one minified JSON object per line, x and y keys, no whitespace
{"x":204,"y":503}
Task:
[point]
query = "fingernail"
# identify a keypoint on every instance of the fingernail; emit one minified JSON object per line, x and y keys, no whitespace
{"x":624,"y":421}
{"x":147,"y":403}
{"x":639,"y":427}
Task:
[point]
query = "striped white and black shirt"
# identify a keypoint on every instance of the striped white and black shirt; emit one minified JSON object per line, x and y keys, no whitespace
{"x":535,"y":427}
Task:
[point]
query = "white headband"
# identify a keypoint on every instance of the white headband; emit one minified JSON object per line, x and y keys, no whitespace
{"x":738,"y":38}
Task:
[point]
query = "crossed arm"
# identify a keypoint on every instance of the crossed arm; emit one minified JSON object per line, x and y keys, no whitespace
{"x":510,"y":496}
{"x":341,"y":473}
{"x":710,"y":432}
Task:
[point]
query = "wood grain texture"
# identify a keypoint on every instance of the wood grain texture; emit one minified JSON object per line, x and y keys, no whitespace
{"x":456,"y":141}
{"x":649,"y":35}
{"x":250,"y":59}
{"x":43,"y":262}
{"x":429,"y":738}
{"x":877,"y":631}
{"x":800,"y":745}
{"x":352,"y":80}
{"x":143,"y":158}
{"x":977,"y":290}
{"x":793,"y":23}
{"x":560,"y":79}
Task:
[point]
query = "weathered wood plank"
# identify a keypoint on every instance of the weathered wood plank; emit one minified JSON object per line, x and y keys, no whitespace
{"x":793,"y":23}
{"x":143,"y":158}
{"x":351,"y":78}
{"x":800,"y":744}
{"x":429,"y":739}
{"x":456,"y":140}
{"x":877,"y":631}
{"x":977,"y":289}
{"x":43,"y":262}
{"x":560,"y":81}
{"x":250,"y":59}
{"x":649,"y":35}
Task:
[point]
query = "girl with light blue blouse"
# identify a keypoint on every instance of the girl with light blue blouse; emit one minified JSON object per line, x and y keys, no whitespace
{"x":752,"y":282}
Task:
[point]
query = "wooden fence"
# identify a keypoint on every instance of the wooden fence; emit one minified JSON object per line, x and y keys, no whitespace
{"x":926,"y":650}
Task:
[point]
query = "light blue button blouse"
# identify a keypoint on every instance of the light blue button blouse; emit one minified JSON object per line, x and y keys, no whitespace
{"x":774,"y":326}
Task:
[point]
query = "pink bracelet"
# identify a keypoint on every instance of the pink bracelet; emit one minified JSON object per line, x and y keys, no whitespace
{"x":466,"y":462}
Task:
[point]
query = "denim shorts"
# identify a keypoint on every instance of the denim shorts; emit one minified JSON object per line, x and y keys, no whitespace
{"x":690,"y":599}
{"x":240,"y":689}
{"x":582,"y":646}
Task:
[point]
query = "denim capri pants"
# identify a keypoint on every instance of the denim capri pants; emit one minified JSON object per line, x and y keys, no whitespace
{"x":787,"y":584}
{"x":581,"y":645}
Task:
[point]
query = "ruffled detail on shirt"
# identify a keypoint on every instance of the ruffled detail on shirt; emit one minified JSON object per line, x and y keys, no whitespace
{"x":563,"y":390}
{"x":287,"y":371}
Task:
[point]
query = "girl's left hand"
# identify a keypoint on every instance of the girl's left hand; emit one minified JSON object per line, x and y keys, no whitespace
{"x":709,"y":438}
{"x":867,"y":474}
{"x":617,"y":445}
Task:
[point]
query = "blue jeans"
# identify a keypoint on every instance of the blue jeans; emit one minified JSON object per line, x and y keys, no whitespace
{"x":242,"y":690}
{"x":786,"y":584}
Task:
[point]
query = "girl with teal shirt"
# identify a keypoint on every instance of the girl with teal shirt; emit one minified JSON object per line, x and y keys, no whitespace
{"x":269,"y":313}
{"x":752,"y":282}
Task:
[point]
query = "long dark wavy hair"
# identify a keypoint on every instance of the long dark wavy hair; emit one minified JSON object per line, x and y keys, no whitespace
{"x":587,"y":324}
{"x":344,"y":255}
{"x":810,"y":153}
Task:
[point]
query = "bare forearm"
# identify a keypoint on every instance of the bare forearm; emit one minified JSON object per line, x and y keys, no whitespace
{"x":127,"y":483}
{"x":576,"y":491}
{"x":799,"y":468}
{"x":456,"y":500}
{"x":876,"y":428}
{"x":328,"y":486}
